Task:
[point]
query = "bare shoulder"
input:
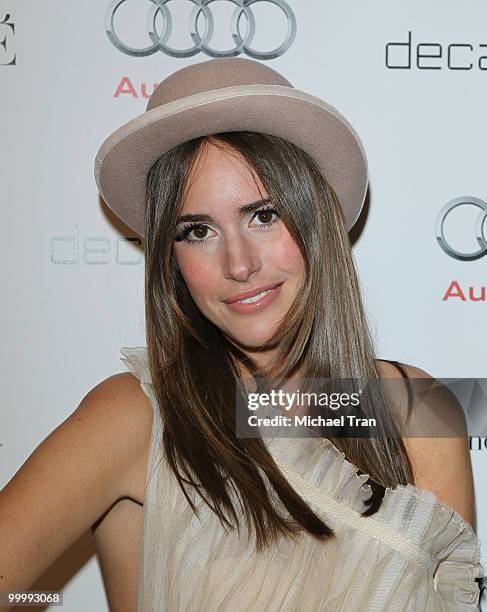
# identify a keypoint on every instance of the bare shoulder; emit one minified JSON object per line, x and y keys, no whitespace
{"x":441,"y":465}
{"x":122,"y":405}
{"x":79,"y":471}
{"x":124,"y":414}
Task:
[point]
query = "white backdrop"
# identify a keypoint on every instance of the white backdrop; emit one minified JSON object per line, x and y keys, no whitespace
{"x":72,"y":278}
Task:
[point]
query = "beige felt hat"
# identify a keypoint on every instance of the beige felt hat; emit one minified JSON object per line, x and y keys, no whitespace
{"x":226,"y":95}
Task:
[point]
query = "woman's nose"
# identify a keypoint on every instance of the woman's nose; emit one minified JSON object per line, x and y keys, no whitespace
{"x":240,"y":258}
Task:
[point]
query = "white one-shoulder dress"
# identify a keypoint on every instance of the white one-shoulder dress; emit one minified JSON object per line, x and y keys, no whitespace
{"x":415,"y":554}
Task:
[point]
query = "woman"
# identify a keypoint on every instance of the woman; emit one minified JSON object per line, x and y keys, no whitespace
{"x":243,"y":189}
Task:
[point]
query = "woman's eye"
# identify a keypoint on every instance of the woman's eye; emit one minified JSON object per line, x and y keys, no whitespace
{"x":200,"y":232}
{"x":265,"y":216}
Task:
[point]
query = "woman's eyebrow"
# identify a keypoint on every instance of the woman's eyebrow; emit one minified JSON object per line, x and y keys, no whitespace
{"x":242,"y":210}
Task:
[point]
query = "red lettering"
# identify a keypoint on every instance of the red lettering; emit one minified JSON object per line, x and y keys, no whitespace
{"x":125,"y":86}
{"x":480,"y":298}
{"x":454,"y":286}
{"x":143,"y":90}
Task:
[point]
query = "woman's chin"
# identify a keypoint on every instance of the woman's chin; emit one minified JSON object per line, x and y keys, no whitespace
{"x":251,"y":342}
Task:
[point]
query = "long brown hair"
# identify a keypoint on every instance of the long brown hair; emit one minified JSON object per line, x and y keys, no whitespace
{"x":193,"y":365}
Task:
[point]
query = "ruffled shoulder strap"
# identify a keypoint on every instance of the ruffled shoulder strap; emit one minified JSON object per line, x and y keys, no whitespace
{"x":456,"y":547}
{"x":136,"y":360}
{"x":410,"y":520}
{"x":316,"y":465}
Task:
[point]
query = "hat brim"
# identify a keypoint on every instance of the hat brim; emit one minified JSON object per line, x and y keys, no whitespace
{"x":126,"y":156}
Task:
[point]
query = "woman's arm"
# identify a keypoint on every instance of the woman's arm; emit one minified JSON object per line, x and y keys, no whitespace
{"x":79,"y":471}
{"x":441,"y":465}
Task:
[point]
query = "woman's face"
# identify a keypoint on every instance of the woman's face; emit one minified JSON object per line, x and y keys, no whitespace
{"x":230,"y":252}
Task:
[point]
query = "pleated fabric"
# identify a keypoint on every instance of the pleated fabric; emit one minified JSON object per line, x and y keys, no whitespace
{"x":415,"y":554}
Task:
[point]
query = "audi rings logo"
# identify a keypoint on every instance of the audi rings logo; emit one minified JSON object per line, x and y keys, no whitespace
{"x":480,"y":228}
{"x":202,"y":40}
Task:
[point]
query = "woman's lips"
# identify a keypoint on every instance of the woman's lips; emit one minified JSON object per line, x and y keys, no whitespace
{"x":248,"y":294}
{"x":257,"y":306}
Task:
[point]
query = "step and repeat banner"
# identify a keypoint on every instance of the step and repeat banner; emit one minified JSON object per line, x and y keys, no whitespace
{"x":410,"y":77}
